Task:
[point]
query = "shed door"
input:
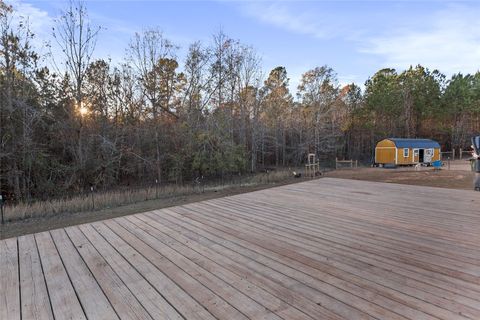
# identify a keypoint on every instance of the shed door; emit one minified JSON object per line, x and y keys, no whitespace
{"x":428,"y":155}
{"x":415,"y":156}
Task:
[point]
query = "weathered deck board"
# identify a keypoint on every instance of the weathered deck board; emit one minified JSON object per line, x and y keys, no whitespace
{"x":203,"y":287}
{"x":33,"y":289}
{"x":122,"y":299}
{"x":322,"y":249}
{"x":298,"y":252}
{"x":243,"y":268}
{"x":190,"y":308}
{"x":63,"y":298}
{"x":9,"y":281}
{"x":151,"y":300}
{"x":94,"y":302}
{"x":260,"y":303}
{"x":298,"y":276}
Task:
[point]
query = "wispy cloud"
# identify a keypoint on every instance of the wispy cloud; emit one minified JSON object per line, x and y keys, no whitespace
{"x":283,"y":15}
{"x":113,"y":38}
{"x":444,"y":37}
{"x":318,"y":24}
{"x":39,"y":22}
{"x":448,"y":40}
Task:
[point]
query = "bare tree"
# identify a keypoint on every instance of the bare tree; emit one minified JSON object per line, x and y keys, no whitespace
{"x":318,"y":91}
{"x":197,"y":93}
{"x":77,"y":38}
{"x":153,"y":57}
{"x":249,"y":101}
{"x":277,"y":103}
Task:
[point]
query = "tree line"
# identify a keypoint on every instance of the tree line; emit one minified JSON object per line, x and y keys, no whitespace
{"x":69,"y":121}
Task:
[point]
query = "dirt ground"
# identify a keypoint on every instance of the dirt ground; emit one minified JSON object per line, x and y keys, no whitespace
{"x":458,"y":177}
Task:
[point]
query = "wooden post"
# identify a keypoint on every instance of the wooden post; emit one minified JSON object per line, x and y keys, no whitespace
{"x":448,"y":163}
{"x":336,"y":165}
{"x":461,"y":154}
{"x":356,"y":164}
{"x":453,"y":154}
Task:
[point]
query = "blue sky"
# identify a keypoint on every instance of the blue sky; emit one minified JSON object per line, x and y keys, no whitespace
{"x":355,"y":38}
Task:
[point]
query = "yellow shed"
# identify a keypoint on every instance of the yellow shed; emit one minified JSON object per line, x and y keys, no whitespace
{"x":398,"y":151}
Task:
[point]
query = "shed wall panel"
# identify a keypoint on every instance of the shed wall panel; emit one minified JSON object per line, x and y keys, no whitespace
{"x":385,"y":155}
{"x":401,"y":160}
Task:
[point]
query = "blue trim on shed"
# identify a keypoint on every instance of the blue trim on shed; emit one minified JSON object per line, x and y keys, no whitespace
{"x":415,"y":143}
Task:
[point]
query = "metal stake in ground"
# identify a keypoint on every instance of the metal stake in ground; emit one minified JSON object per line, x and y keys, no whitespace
{"x":93,"y":199}
{"x":1,"y":208}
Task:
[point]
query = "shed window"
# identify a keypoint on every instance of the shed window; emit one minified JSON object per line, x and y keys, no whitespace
{"x":405,"y":152}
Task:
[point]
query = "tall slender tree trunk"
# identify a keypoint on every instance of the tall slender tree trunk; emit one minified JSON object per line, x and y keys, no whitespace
{"x":408,"y":110}
{"x":284,"y":145}
{"x":158,"y":164}
{"x":277,"y":152}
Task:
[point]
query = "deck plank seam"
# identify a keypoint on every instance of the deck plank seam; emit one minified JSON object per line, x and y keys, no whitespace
{"x":338,"y":221}
{"x":19,"y":280}
{"x":306,"y":284}
{"x":397,"y":201}
{"x":152,"y":263}
{"x":135,"y":268}
{"x":415,"y":289}
{"x":260,"y":263}
{"x":91,"y":273}
{"x":306,"y":227}
{"x":382,"y":285}
{"x":68,"y":275}
{"x":346,"y":196}
{"x":115,"y":272}
{"x":183,"y":227}
{"x":239,"y":275}
{"x":268,"y":229}
{"x":44,"y":278}
{"x":205,"y":286}
{"x":395,"y":217}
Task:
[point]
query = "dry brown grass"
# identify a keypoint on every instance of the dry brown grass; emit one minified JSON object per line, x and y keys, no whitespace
{"x":116,"y":198}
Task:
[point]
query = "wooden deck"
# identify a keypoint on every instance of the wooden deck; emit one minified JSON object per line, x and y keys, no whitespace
{"x":323,"y":249}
